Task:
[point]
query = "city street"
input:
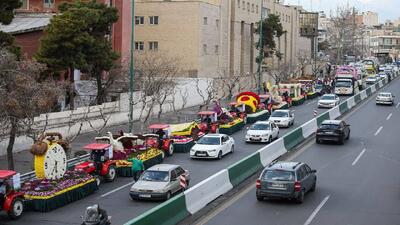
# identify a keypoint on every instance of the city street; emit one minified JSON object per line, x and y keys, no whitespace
{"x":114,"y":197}
{"x":358,"y":183}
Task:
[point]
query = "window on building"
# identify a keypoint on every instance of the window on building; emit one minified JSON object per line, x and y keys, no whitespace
{"x":216,"y":49}
{"x":205,"y":21}
{"x":256,"y":8}
{"x":153,"y":20}
{"x":139,"y":20}
{"x":238,"y":3}
{"x":217,"y":22}
{"x":252,"y":7}
{"x":248,"y":7}
{"x":139,"y":45}
{"x":243,"y":5}
{"x":153,"y":45}
{"x":24,"y":4}
{"x":48,"y":3}
{"x":204,"y":49}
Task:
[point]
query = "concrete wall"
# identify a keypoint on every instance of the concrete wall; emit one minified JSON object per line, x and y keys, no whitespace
{"x":117,"y":111}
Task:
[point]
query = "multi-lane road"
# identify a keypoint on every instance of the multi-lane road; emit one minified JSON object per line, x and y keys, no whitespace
{"x":114,"y":197}
{"x":358,"y":182}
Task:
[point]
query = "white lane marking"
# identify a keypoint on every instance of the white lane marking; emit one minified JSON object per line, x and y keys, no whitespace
{"x":388,"y":117}
{"x":378,"y":131}
{"x":312,"y":102}
{"x":314,"y":213}
{"x":117,"y":189}
{"x":358,"y":157}
{"x":398,"y":104}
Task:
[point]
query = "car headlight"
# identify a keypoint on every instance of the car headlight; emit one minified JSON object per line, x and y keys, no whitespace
{"x":192,"y":150}
{"x":134,"y":189}
{"x":212,"y":150}
{"x":265,"y":135}
{"x":158,"y":190}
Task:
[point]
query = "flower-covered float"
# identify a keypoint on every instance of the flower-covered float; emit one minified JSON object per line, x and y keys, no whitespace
{"x":54,"y":185}
{"x":292,"y":93}
{"x":249,"y":105}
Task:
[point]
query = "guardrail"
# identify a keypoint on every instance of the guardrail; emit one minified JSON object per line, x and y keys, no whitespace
{"x":70,"y":163}
{"x":194,"y":199}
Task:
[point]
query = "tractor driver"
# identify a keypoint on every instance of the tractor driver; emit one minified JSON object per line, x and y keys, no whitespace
{"x":3,"y":191}
{"x":98,"y":158}
{"x":161,"y":134}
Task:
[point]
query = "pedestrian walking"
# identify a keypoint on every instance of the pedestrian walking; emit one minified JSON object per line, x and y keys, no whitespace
{"x":137,"y":167}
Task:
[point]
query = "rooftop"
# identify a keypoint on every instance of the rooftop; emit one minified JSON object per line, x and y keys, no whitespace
{"x":27,"y":23}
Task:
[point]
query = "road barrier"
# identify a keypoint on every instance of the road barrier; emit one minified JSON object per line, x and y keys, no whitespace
{"x":197,"y":197}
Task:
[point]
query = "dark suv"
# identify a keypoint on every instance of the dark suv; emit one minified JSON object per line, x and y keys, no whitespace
{"x":333,"y":130}
{"x":290,"y":180}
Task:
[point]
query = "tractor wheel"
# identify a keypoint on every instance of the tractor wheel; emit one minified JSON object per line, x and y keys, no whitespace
{"x":16,"y":209}
{"x":170,"y":150}
{"x":111,"y":174}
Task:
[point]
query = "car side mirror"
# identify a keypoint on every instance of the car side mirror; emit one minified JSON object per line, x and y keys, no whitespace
{"x":313,"y":171}
{"x":347,"y":125}
{"x":173,"y":179}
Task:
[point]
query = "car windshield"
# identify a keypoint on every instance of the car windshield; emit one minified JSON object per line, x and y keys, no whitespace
{"x":343,"y":84}
{"x":278,"y":175}
{"x":328,"y":97}
{"x":371,"y":78}
{"x":329,"y":126}
{"x":260,"y":127}
{"x":150,"y":175}
{"x":280,"y":114}
{"x":387,"y":95}
{"x":209,"y":141}
{"x":318,"y":86}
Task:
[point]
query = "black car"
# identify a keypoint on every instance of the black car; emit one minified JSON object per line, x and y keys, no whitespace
{"x":333,"y":130}
{"x":291,"y":180}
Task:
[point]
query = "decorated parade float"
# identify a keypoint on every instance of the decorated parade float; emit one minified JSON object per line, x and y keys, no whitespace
{"x":276,"y":100}
{"x":54,"y":185}
{"x":13,"y":200}
{"x":248,"y":106}
{"x":184,"y":135}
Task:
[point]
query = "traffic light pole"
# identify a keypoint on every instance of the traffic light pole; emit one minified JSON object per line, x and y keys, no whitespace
{"x":131,"y":68}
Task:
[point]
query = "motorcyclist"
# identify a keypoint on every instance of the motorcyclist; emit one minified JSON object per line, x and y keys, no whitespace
{"x":95,"y":215}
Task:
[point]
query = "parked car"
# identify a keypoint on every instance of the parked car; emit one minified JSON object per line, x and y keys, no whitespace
{"x":328,"y":101}
{"x":262,"y":131}
{"x":291,"y":180}
{"x":282,"y":118}
{"x":213,"y":146}
{"x":384,"y":98}
{"x":159,"y":182}
{"x":333,"y":130}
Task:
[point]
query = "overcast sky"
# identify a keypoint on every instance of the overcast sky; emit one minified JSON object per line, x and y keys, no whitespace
{"x":387,"y":9}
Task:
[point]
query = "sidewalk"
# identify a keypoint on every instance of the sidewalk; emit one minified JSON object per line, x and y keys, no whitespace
{"x":23,"y":160}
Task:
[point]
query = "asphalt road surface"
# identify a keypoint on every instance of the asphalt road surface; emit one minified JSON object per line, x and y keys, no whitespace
{"x":358,"y":182}
{"x":114,"y":197}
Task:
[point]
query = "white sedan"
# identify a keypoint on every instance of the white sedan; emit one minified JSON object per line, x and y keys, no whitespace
{"x":262,"y":131}
{"x":328,"y":101}
{"x":384,"y":98}
{"x":282,"y":118}
{"x":213,"y":146}
{"x":371,"y":79}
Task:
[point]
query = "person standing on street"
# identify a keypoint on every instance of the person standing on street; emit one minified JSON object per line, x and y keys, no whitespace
{"x":137,"y":167}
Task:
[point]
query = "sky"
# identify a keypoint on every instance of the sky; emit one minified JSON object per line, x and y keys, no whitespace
{"x":387,"y":9}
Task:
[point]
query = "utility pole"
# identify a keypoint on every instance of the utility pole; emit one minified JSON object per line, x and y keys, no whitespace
{"x":131,"y":68}
{"x":261,"y":48}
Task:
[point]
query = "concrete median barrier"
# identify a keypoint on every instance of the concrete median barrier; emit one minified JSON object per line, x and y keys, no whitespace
{"x":309,"y":128}
{"x":206,"y":191}
{"x":322,"y":117}
{"x":351,"y":102}
{"x":357,"y":98}
{"x":343,"y":107}
{"x":272,"y":151}
{"x":334,"y":113}
{"x":363,"y":95}
{"x":241,"y":170}
{"x":293,"y":138}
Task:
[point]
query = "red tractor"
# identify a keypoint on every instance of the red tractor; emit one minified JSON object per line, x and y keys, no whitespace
{"x":12,"y":201}
{"x":101,"y":164}
{"x":208,"y":122}
{"x":238,"y":110}
{"x":165,"y":143}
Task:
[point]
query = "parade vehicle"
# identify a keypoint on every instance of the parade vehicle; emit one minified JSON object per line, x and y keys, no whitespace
{"x":238,"y":110}
{"x":262,"y":131}
{"x":282,"y":118}
{"x":333,"y":130}
{"x":208,"y":121}
{"x":213,"y":146}
{"x":13,"y":200}
{"x":384,"y":98}
{"x":328,"y":101}
{"x":291,"y":180}
{"x":167,"y":144}
{"x":101,"y":164}
{"x":160,"y":182}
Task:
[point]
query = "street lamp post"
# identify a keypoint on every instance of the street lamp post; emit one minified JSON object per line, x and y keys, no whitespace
{"x":261,"y":49}
{"x":131,"y":67}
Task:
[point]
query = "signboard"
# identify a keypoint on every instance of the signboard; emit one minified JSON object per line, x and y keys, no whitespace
{"x":308,"y":24}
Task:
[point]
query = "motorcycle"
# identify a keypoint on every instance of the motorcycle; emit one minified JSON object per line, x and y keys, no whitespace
{"x":94,"y":215}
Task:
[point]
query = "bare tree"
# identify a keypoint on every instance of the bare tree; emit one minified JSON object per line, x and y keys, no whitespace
{"x":23,"y":98}
{"x":207,"y":94}
{"x":281,"y":72}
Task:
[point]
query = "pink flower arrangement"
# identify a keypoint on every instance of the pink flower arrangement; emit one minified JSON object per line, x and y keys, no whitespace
{"x":45,"y":187}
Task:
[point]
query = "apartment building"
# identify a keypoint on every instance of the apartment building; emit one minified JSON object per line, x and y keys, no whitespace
{"x":291,"y":44}
{"x":210,"y":38}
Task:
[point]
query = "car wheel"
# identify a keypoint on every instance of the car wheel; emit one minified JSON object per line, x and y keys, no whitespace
{"x":168,"y":196}
{"x":300,"y":198}
{"x":220,"y":155}
{"x":111,"y":174}
{"x":314,"y":186}
{"x":232,"y":148}
{"x":16,"y":209}
{"x":341,"y":140}
{"x":317,"y":141}
{"x":270,"y":139}
{"x":348,"y":136}
{"x":259,"y":198}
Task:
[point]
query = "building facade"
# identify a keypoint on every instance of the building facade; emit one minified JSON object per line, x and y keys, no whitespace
{"x":210,"y":38}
